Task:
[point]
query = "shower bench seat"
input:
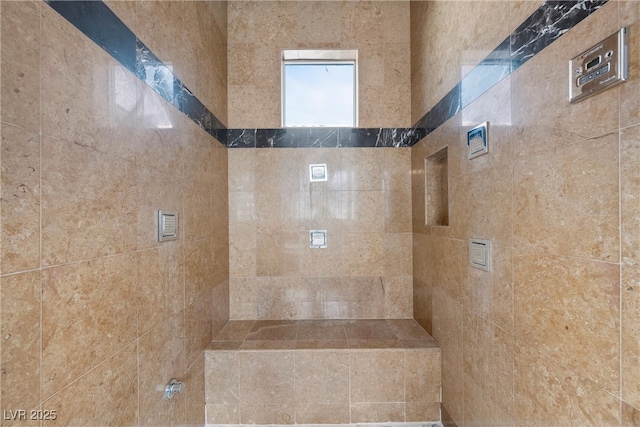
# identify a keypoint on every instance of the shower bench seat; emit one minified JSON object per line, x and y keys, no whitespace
{"x":322,"y":372}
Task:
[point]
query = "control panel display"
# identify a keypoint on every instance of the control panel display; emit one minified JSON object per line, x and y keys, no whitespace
{"x":600,"y":67}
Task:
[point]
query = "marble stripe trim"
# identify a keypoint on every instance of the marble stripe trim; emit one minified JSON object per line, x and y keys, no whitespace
{"x":553,"y":19}
{"x":543,"y":27}
{"x":103,"y":27}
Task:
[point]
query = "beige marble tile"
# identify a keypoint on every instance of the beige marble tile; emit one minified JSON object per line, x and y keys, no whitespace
{"x":377,"y":412}
{"x":630,"y":289}
{"x":322,"y":413}
{"x":197,"y":269}
{"x":482,"y":409}
{"x":353,"y":297}
{"x":198,"y":326}
{"x":386,"y":386}
{"x":77,"y":103}
{"x":398,"y":249}
{"x":268,"y":345}
{"x":242,"y":255}
{"x":361,"y":170}
{"x":491,"y":293}
{"x":222,"y":371}
{"x":159,"y":285}
{"x":564,"y":202}
{"x":220,"y":307}
{"x":397,"y":211}
{"x":422,"y":305}
{"x":281,"y":254}
{"x":422,"y":376}
{"x":357,"y":19}
{"x":90,"y":307}
{"x":158,"y":135}
{"x":364,"y":211}
{"x":540,"y":109}
{"x":223,"y":414}
{"x":630,"y":416}
{"x":86,"y":212}
{"x":408,"y":329}
{"x":273,"y":330}
{"x":225,"y":345}
{"x":368,"y":329}
{"x":242,"y":170}
{"x":277,"y":388}
{"x":488,"y":360}
{"x":324,"y":27}
{"x":321,"y":330}
{"x":322,"y":344}
{"x":398,"y":293}
{"x":234,"y":330}
{"x":114,"y":383}
{"x":629,"y":195}
{"x":196,"y":38}
{"x":242,"y":299}
{"x":421,"y":411}
{"x":197,"y":199}
{"x":284,"y":210}
{"x":21,"y":64}
{"x":547,"y":393}
{"x":21,"y":328}
{"x":242,"y":111}
{"x":448,"y":329}
{"x":21,"y":197}
{"x":267,"y":414}
{"x":578,"y":309}
{"x":452,"y":389}
{"x":288,"y":298}
{"x":195,"y":393}
{"x":322,"y":377}
{"x":363,"y":254}
{"x":242,"y":212}
{"x":161,"y":357}
{"x":488,"y":201}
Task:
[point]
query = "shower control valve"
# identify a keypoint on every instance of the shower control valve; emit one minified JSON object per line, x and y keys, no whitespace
{"x":174,"y":387}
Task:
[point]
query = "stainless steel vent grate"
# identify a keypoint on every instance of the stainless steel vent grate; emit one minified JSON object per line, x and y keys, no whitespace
{"x":167,"y":226}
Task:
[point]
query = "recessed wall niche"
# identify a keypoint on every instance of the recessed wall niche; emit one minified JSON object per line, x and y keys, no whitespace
{"x":436,"y":197}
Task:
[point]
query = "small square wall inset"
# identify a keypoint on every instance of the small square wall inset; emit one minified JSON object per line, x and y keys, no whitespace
{"x":318,"y":239}
{"x":317,"y":172}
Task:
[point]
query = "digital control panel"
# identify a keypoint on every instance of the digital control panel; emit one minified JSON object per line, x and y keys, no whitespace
{"x":599,"y":67}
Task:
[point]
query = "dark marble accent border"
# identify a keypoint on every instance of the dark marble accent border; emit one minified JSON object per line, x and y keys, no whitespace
{"x":323,"y":137}
{"x":550,"y":21}
{"x":553,"y":19}
{"x":102,"y":26}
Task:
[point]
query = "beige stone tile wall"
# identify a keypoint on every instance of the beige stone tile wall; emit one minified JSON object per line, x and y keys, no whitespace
{"x":260,"y":30}
{"x":386,"y":371}
{"x":366,"y":270}
{"x":96,"y":315}
{"x":550,"y":335}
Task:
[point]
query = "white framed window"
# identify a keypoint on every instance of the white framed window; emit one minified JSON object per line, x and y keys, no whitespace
{"x":320,"y":88}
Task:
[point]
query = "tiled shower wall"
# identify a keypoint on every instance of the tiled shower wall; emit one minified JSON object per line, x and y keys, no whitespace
{"x":365,"y":272}
{"x":550,"y":336}
{"x":259,"y":30}
{"x":96,"y":315}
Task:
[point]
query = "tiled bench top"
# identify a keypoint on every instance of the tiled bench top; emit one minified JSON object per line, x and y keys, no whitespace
{"x":322,"y":334}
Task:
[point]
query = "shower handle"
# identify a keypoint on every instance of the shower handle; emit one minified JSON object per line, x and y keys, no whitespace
{"x":174,"y":387}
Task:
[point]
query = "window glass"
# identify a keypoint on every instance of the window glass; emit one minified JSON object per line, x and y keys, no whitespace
{"x":319,"y":88}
